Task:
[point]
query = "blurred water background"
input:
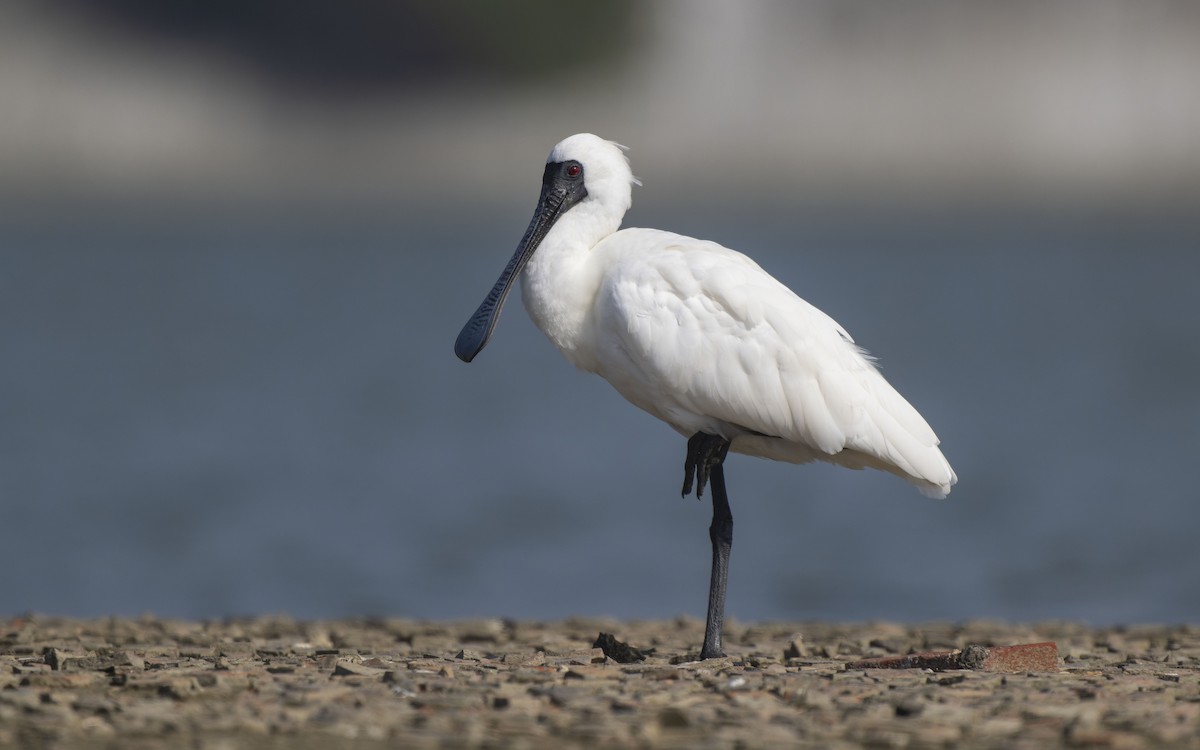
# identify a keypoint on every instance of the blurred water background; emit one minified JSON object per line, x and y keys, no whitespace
{"x":237,"y":241}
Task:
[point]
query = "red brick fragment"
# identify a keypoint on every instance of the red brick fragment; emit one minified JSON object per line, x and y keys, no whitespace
{"x":1027,"y":657}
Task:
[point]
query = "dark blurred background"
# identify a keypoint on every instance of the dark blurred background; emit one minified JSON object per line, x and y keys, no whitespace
{"x":237,"y":241}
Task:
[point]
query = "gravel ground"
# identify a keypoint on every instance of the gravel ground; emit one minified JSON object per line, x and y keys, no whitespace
{"x":277,"y":683}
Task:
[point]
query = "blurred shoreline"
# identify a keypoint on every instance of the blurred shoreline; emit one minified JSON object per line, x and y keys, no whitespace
{"x":1058,"y":105}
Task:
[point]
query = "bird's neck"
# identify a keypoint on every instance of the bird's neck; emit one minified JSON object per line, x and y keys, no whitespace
{"x":560,"y":283}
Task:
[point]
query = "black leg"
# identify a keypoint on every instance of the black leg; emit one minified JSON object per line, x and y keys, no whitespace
{"x":706,"y":454}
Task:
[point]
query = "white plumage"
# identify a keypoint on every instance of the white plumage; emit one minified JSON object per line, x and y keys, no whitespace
{"x":704,"y":339}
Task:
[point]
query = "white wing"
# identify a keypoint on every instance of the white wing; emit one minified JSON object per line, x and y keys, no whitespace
{"x":705,"y":339}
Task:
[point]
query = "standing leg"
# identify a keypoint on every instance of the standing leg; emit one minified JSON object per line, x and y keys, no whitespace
{"x":721,"y":534}
{"x":705,"y":460}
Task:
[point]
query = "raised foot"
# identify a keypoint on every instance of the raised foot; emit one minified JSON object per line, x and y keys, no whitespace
{"x":704,"y":452}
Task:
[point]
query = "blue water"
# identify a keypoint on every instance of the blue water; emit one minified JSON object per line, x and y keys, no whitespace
{"x":206,"y":417}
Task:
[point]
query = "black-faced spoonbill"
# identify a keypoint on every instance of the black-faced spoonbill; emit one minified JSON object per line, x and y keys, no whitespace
{"x":704,"y":339}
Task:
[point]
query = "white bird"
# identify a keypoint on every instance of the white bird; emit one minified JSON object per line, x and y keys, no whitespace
{"x":704,"y":339}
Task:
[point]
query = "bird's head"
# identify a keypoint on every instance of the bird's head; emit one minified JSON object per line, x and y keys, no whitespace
{"x":587,"y":168}
{"x":584,"y":174}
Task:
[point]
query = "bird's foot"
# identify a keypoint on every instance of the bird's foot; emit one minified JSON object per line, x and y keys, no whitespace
{"x":704,"y":452}
{"x":710,"y":652}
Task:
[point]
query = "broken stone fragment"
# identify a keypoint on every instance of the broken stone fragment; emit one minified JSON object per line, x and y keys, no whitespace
{"x":622,"y":653}
{"x":1026,"y":657}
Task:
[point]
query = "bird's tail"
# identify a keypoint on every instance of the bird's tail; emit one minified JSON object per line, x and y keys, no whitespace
{"x":899,"y":440}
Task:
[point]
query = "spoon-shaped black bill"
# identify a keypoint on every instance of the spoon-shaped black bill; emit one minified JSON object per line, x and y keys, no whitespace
{"x":475,"y":334}
{"x":559,"y":193}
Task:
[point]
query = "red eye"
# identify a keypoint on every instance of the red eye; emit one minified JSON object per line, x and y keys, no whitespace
{"x":574,"y":170}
